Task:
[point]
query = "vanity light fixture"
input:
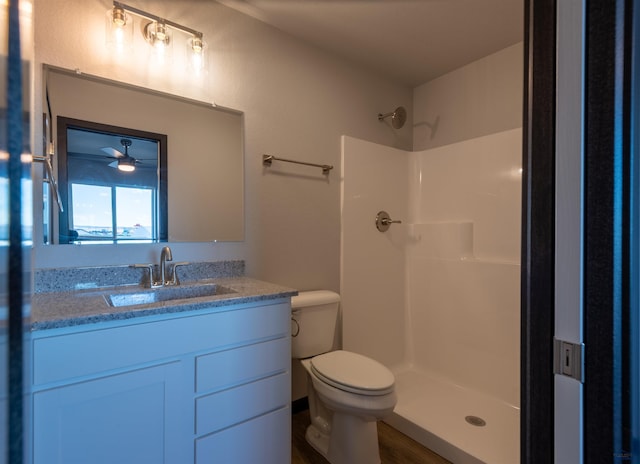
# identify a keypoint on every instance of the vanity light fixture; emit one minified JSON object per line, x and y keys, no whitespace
{"x":156,"y":31}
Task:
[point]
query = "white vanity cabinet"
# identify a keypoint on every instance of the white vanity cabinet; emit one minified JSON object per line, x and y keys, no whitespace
{"x":207,"y":386}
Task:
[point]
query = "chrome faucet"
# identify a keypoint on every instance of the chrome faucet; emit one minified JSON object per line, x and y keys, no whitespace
{"x":165,"y":255}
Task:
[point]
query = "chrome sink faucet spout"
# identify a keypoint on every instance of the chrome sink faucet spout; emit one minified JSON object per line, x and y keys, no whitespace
{"x":165,"y":256}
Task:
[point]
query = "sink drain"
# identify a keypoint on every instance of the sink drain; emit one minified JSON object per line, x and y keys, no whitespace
{"x":475,"y":421}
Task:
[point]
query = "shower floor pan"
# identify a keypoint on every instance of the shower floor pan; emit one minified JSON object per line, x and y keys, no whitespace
{"x":436,"y":413}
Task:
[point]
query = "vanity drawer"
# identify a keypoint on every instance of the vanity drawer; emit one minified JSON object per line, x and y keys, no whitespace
{"x":228,"y":368}
{"x":228,"y":407}
{"x":89,"y":351}
{"x":265,"y":439}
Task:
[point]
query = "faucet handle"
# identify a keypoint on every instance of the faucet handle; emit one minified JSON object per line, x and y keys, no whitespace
{"x":174,"y":277}
{"x":152,"y":283}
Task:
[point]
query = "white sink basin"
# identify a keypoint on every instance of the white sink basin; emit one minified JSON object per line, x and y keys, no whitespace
{"x":155,"y":295}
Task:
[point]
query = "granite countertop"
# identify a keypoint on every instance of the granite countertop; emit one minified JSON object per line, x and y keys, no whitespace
{"x":71,"y":308}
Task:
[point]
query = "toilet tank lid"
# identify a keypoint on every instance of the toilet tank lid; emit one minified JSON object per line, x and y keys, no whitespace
{"x":314,"y":298}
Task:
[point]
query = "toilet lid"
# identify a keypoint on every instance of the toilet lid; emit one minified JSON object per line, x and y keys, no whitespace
{"x":353,"y":372}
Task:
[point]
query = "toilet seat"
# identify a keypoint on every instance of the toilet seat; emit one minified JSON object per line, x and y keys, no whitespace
{"x":353,"y":372}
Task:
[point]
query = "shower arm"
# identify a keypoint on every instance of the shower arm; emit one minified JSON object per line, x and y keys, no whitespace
{"x":386,"y":115}
{"x":398,"y":117}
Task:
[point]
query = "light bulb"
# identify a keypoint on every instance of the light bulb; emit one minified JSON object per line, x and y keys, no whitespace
{"x":119,"y":17}
{"x":119,"y":30}
{"x":161,"y":34}
{"x":196,"y":45}
{"x":197,"y":54}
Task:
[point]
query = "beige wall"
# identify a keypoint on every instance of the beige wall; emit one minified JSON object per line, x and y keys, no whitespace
{"x":297,"y":102}
{"x":481,"y":98}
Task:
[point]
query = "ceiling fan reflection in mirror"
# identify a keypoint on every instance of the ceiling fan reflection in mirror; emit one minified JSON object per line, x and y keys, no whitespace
{"x":123,"y":161}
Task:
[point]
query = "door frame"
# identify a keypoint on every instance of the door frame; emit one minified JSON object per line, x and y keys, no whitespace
{"x":606,"y":234}
{"x":538,"y":234}
{"x":607,"y":209}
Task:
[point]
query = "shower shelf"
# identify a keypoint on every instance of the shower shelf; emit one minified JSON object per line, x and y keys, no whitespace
{"x":448,"y":240}
{"x":268,"y":159}
{"x":443,"y":240}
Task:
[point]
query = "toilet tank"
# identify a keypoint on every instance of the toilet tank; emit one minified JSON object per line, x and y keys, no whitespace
{"x":313,"y":322}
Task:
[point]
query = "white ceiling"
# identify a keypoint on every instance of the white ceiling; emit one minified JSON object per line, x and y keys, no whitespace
{"x":410,"y":41}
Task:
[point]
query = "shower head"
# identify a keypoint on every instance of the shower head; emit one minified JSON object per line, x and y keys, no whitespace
{"x":398,"y":117}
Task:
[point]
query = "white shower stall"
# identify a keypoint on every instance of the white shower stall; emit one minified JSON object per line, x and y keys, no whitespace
{"x":437,"y":298}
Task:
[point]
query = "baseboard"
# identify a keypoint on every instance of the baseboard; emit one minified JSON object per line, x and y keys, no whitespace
{"x":299,"y":405}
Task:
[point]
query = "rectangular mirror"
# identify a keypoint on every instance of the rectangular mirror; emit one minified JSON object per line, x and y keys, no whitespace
{"x":195,"y":193}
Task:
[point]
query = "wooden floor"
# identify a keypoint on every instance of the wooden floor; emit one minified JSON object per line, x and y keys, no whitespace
{"x":395,"y":447}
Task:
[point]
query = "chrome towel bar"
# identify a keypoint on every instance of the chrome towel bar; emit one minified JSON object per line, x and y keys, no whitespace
{"x":268,"y":159}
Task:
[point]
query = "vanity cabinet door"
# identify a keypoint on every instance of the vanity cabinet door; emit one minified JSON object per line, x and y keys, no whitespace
{"x":128,"y":418}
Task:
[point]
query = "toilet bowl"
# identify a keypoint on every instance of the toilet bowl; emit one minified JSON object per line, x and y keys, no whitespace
{"x":348,"y":392}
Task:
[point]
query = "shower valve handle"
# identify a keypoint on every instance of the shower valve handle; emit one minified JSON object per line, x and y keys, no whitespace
{"x":383,"y":221}
{"x":389,"y":221}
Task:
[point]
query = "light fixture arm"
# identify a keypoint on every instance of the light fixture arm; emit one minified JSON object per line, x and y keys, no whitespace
{"x":158,"y":19}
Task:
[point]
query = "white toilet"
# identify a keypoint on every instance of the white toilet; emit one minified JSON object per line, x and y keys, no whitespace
{"x":347,"y":392}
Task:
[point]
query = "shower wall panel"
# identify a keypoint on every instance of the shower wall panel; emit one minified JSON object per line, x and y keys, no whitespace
{"x":478,"y":181}
{"x":463,"y":264}
{"x":465,"y":323}
{"x":372,"y":262}
{"x":440,"y":292}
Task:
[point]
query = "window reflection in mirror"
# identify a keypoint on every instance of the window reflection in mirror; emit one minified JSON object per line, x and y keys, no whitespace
{"x":205,"y":154}
{"x":114,"y":185}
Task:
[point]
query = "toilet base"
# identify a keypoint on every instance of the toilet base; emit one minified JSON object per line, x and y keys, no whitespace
{"x":352,"y":440}
{"x":319,"y":441}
